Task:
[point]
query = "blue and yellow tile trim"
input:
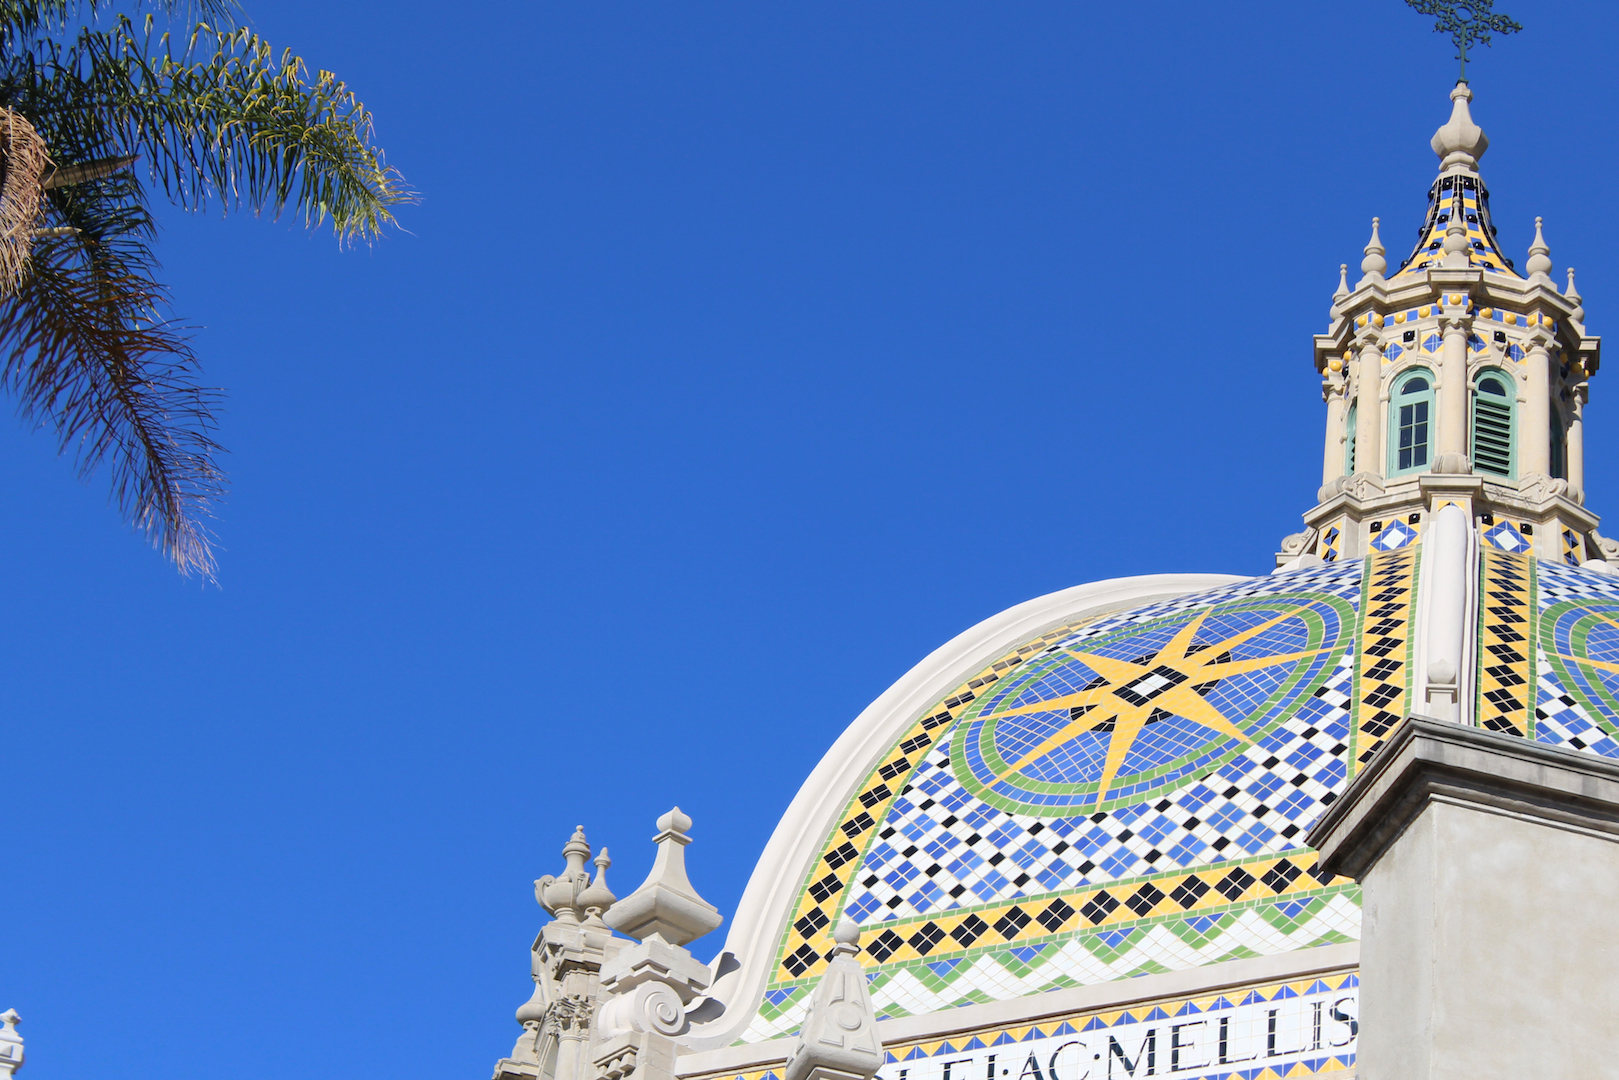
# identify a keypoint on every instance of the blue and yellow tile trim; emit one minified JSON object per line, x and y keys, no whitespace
{"x":1465,"y":197}
{"x":1241,"y":1039}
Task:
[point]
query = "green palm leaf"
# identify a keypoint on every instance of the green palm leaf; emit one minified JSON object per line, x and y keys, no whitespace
{"x":88,"y":343}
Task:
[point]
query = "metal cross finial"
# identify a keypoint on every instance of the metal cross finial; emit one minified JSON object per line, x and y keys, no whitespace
{"x":1467,"y":22}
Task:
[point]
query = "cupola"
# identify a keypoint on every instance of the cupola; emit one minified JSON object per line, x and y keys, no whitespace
{"x":1453,"y":378}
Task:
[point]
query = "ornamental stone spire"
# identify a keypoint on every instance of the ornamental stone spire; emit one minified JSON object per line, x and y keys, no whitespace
{"x":666,"y":905}
{"x":839,"y":1038}
{"x":648,"y":989}
{"x":1572,"y":296}
{"x":1540,"y":257}
{"x":606,"y":1007}
{"x":565,"y":964}
{"x":1373,"y":265}
{"x":1454,"y":380}
{"x":1460,"y":143}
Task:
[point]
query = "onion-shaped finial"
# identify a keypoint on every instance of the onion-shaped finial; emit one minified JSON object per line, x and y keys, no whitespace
{"x":1373,"y":265}
{"x":1540,"y":260}
{"x":1572,"y":295}
{"x":1460,"y":142}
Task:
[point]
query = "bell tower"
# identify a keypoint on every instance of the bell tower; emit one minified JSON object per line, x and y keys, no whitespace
{"x":1454,"y":379}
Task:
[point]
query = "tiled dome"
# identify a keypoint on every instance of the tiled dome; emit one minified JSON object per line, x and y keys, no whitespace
{"x":1129,"y":793}
{"x":1118,"y":795}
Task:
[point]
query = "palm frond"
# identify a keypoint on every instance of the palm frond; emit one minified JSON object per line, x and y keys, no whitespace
{"x":24,"y":162}
{"x":21,"y":21}
{"x":87,"y":343}
{"x":84,"y":347}
{"x":220,"y":116}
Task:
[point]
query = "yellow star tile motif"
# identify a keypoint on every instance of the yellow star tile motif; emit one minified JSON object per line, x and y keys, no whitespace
{"x":1126,"y":696}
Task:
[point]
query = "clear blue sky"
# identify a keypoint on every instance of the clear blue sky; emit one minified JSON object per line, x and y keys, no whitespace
{"x":736,"y":357}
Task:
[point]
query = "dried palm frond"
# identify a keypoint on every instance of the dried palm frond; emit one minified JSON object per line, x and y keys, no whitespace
{"x":23,"y":161}
{"x":90,"y":170}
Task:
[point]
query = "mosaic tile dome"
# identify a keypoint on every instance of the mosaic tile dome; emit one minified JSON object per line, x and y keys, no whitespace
{"x":1128,"y":794}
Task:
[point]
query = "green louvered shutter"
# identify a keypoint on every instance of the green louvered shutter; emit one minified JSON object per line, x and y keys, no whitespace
{"x":1492,"y":428}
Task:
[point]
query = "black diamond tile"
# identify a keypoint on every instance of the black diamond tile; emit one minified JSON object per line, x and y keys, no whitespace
{"x":1055,"y":914}
{"x":970,"y":930}
{"x":1099,"y":907}
{"x":1189,"y":891}
{"x":1144,"y":899}
{"x":1235,"y":883}
{"x":1011,"y":923}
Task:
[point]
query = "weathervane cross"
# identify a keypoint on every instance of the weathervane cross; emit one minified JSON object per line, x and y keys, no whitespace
{"x":1467,"y":22}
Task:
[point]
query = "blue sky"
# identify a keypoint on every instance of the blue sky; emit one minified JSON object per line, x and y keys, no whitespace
{"x":736,"y":357}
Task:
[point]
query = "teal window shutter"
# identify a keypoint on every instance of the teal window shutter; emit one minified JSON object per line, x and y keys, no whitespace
{"x":1493,"y":448}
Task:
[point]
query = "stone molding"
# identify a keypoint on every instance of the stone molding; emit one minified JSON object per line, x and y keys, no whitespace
{"x":761,"y":917}
{"x":1101,"y":997}
{"x":1426,"y":761}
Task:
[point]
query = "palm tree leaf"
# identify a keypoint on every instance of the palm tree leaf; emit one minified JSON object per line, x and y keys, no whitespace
{"x":221,"y":116}
{"x":84,"y":346}
{"x":87,"y":343}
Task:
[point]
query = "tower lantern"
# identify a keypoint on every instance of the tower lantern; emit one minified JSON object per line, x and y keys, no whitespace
{"x":1454,"y":378}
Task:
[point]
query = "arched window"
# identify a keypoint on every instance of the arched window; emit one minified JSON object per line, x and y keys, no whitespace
{"x":1349,"y":438}
{"x":1493,"y":450}
{"x":1410,"y":415}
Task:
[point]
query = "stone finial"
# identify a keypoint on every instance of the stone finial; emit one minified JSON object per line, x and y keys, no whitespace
{"x":11,"y":1053}
{"x":839,"y":1038}
{"x":596,"y":898}
{"x":1373,"y":265}
{"x":1572,"y":295}
{"x":1540,"y":261}
{"x":1460,"y":142}
{"x":666,"y":905}
{"x":1455,"y":243}
{"x":1340,"y":294}
{"x":560,"y":894}
{"x":652,"y":983}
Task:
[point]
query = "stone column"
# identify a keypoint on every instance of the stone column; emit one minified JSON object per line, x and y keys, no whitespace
{"x":1451,"y":451}
{"x":1332,"y":462}
{"x":1534,"y":435}
{"x":1575,"y":448}
{"x":1370,"y":453}
{"x":1445,"y":611}
{"x":1480,"y":856}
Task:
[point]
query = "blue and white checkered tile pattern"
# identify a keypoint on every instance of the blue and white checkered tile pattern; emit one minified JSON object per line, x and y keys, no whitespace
{"x":1260,"y":802}
{"x":1335,"y":579}
{"x":1558,"y":582}
{"x":1560,"y":720}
